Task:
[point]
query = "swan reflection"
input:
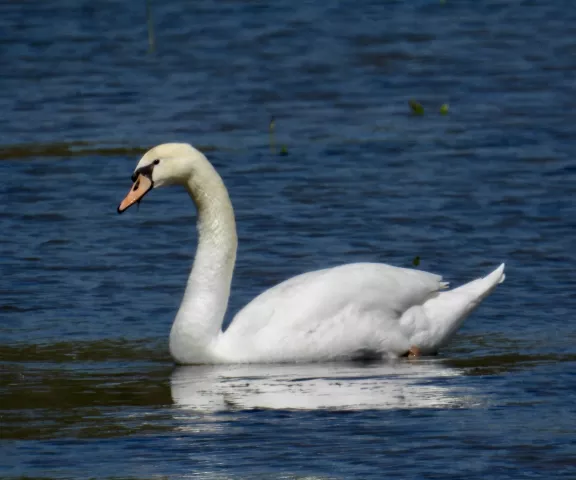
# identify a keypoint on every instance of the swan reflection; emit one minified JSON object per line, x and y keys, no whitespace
{"x":402,"y":384}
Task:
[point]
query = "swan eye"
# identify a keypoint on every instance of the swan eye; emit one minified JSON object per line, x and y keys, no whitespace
{"x":156,"y":162}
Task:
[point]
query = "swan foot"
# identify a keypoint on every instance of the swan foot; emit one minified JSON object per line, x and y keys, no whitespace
{"x":413,"y":352}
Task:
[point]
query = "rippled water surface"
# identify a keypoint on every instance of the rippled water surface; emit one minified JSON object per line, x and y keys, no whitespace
{"x":87,"y":297}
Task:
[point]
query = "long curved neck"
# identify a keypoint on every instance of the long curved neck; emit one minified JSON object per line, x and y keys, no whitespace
{"x":199,"y":320}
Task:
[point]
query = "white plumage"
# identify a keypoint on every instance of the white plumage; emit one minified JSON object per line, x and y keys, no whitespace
{"x":351,"y":311}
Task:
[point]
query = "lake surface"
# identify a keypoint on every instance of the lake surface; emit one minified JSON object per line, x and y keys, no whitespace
{"x":88,"y":389}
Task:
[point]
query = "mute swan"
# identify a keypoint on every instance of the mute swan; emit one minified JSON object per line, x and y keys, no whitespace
{"x":346,"y":312}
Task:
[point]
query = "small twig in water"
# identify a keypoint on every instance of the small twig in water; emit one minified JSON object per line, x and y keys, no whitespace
{"x":151,"y":39}
{"x":272,"y":134}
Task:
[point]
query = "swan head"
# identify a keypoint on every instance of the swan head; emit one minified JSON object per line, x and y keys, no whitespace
{"x":166,"y":164}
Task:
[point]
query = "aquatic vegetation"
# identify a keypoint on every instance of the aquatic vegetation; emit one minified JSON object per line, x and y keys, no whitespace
{"x":444,"y":109}
{"x":76,"y":149}
{"x":271,"y":128}
{"x":416,"y":107}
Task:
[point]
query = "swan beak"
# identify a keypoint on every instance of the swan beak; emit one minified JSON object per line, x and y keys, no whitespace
{"x":141,"y":187}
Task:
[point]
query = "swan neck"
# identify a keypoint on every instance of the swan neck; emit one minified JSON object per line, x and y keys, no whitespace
{"x":198,"y":323}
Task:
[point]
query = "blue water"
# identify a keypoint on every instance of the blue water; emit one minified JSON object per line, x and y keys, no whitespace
{"x":88,"y":389}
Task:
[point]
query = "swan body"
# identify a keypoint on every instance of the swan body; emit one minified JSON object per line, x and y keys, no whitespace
{"x":351,"y":311}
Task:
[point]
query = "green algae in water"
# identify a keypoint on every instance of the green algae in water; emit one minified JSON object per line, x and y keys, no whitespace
{"x":416,"y":107}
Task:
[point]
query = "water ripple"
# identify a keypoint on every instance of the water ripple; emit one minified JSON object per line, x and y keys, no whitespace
{"x":87,"y":297}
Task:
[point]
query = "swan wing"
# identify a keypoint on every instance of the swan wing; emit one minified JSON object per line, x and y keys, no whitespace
{"x":333,"y":311}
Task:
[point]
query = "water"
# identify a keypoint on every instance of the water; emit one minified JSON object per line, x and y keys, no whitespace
{"x":87,"y":297}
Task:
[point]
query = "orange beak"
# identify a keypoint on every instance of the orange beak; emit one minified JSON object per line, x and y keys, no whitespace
{"x":141,"y":187}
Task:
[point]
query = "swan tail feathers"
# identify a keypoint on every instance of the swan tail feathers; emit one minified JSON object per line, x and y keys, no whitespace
{"x":483,"y":286}
{"x":448,"y":309}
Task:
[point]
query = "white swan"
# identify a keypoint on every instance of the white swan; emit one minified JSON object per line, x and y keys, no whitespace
{"x":350,"y":311}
